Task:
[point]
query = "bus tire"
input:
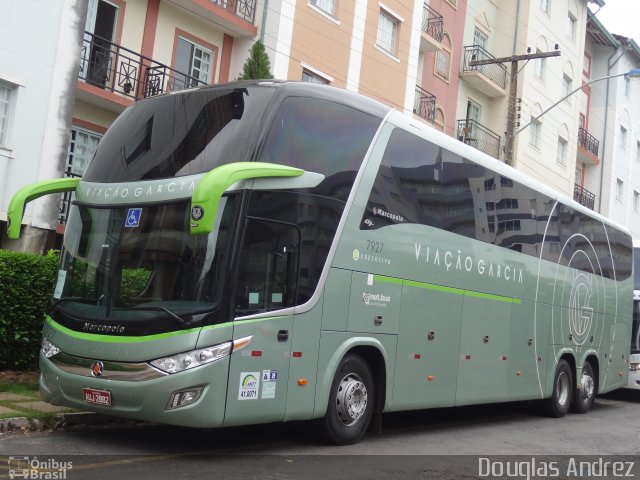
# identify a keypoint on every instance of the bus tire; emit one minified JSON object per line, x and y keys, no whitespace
{"x":563,"y":386}
{"x":351,"y":401}
{"x":584,"y":396}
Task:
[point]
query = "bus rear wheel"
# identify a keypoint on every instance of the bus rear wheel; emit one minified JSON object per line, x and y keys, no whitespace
{"x":350,"y":401}
{"x":585,"y":395}
{"x":560,"y":401}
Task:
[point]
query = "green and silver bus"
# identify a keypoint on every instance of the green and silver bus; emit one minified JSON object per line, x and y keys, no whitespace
{"x":274,"y":251}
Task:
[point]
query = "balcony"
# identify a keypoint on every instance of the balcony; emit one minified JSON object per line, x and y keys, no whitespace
{"x":480,"y":137}
{"x":116,"y":76}
{"x":489,"y":79}
{"x":233,"y":16}
{"x":432,"y":29}
{"x":588,"y":147}
{"x":583,"y":196}
{"x":424,"y":104}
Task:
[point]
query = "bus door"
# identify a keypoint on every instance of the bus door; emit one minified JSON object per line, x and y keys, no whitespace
{"x":266,"y":281}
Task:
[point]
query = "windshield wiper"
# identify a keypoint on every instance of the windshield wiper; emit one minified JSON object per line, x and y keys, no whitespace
{"x":58,"y":301}
{"x":158,"y":308}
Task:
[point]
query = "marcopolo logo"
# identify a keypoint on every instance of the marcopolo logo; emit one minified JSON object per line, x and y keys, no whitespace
{"x":375,"y":299}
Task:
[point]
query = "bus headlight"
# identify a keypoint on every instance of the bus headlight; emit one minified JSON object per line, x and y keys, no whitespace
{"x":194,"y":358}
{"x":188,"y":360}
{"x":48,"y":348}
{"x":634,"y":367}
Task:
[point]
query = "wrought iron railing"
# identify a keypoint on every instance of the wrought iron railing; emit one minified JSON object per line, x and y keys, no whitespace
{"x":117,"y":69}
{"x":424,"y":104}
{"x":245,"y":9}
{"x":496,"y":72}
{"x":583,"y":196}
{"x":588,"y":142}
{"x":479,"y":136}
{"x":432,"y":23}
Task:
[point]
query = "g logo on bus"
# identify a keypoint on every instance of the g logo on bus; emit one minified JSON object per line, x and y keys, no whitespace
{"x":97,"y":368}
{"x":197,"y":212}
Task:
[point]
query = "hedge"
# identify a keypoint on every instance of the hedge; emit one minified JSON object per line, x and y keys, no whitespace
{"x":26,"y":285}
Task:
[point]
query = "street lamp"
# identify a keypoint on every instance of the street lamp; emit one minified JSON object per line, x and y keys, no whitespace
{"x":633,"y":73}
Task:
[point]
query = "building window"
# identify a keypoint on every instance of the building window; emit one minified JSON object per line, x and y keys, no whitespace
{"x":567,"y":86}
{"x":480,"y":38}
{"x":623,"y":138}
{"x":562,"y":152}
{"x":539,"y":66}
{"x":193,"y":60}
{"x":571,"y":26}
{"x":636,"y":202}
{"x":82,"y":146}
{"x":627,"y":87}
{"x":388,"y":27}
{"x":619,"y":190}
{"x":586,"y":67}
{"x":327,"y":6}
{"x":7,"y":101}
{"x":443,"y":59}
{"x":536,"y":127}
{"x":544,"y":5}
{"x":438,"y":119}
{"x":638,"y":151}
{"x":308,"y":76}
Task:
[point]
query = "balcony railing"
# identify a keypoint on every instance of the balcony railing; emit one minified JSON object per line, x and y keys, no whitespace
{"x":117,"y":69}
{"x":424,"y":104}
{"x":432,"y":23}
{"x":496,"y":72}
{"x":245,"y":9}
{"x":583,"y":196}
{"x":588,"y":142}
{"x":478,"y":136}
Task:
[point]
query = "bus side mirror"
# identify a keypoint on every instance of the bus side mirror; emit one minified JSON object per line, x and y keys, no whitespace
{"x":211,"y":187}
{"x":31,"y":192}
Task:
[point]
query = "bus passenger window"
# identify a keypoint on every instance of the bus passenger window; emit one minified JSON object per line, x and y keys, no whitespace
{"x":268,"y":270}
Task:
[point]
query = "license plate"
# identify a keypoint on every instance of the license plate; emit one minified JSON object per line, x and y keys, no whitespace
{"x":97,"y":397}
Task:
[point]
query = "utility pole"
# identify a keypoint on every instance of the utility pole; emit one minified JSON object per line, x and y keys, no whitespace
{"x":513,"y":92}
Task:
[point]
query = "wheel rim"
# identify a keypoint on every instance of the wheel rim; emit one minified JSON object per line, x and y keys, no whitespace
{"x":588,"y":387}
{"x":562,"y":388}
{"x":351,"y":399}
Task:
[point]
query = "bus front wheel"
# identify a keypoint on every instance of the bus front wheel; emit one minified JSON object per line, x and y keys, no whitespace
{"x":584,"y":396}
{"x":560,"y":401}
{"x":350,"y":401}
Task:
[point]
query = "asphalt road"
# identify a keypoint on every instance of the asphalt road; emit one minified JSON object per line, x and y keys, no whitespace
{"x":469,"y":442}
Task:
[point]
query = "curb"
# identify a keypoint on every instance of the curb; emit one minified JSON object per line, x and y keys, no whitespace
{"x":60,"y":422}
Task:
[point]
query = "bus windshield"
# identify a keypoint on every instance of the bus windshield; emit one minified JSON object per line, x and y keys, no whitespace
{"x":131,"y":264}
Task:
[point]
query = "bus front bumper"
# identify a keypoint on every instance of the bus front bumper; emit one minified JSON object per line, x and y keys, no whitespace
{"x":150,"y":400}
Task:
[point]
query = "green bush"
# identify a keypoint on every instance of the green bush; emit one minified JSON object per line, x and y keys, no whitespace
{"x":26,"y":285}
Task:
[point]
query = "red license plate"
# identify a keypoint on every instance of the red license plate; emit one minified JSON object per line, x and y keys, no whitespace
{"x":97,"y":397}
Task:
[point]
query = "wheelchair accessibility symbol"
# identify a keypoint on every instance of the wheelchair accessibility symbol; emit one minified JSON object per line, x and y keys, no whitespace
{"x":133,"y":217}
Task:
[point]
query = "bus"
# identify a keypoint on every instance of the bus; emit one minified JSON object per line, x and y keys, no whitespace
{"x":273,"y":251}
{"x":634,"y":359}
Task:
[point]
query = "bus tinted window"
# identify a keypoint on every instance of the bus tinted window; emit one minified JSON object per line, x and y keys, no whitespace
{"x":419,"y":182}
{"x":636,"y":268}
{"x":407,"y":187}
{"x":180,"y":134}
{"x":323,"y":137}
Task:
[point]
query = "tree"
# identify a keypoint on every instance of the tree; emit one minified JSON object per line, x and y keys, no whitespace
{"x":257,"y":65}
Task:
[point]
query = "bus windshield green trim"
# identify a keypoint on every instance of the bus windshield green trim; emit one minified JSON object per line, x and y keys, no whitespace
{"x":31,"y":192}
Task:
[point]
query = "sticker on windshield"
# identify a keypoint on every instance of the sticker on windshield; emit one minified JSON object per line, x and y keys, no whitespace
{"x":133,"y":217}
{"x":249,"y":384}
{"x":62,"y":276}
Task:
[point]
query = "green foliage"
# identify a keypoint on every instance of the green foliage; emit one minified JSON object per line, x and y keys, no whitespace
{"x":257,"y":66}
{"x":134,"y":280}
{"x":26,"y":285}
